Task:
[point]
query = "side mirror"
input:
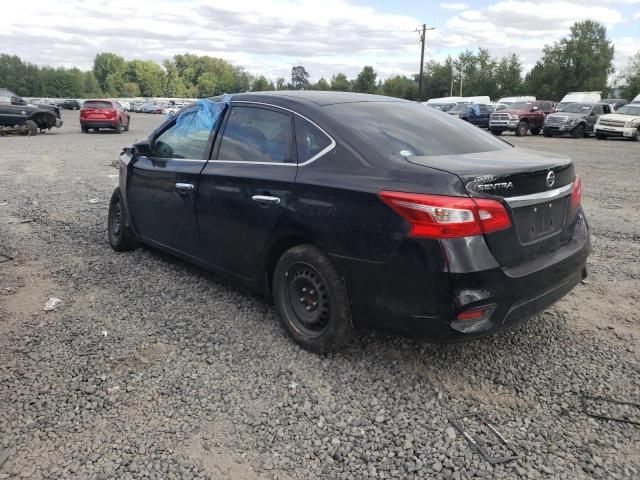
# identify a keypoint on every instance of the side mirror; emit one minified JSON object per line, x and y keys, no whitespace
{"x":15,"y":100}
{"x":141,"y":148}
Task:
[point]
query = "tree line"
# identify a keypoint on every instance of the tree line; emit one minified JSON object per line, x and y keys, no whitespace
{"x":581,"y":61}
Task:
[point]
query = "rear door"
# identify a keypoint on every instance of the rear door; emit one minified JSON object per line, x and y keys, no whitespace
{"x":246,"y":186}
{"x":483,"y":116}
{"x":161,"y":188}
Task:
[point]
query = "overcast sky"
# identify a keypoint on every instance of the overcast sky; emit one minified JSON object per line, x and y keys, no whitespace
{"x":326,"y":36}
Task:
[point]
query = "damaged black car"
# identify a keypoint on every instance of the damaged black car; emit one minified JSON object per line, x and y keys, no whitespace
{"x":357,"y":212}
{"x":19,"y":116}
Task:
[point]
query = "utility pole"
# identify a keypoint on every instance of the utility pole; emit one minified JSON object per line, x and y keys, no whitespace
{"x":423,"y":37}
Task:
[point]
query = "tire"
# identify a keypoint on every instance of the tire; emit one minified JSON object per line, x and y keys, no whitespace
{"x":497,"y":132}
{"x":547,"y":133}
{"x":578,"y":131}
{"x":535,"y":131}
{"x":521,"y":129}
{"x":118,"y":128}
{"x":121,"y":235}
{"x":32,"y":128}
{"x":637,"y":135}
{"x":126,"y":127}
{"x":599,"y":136}
{"x":84,"y":128}
{"x":311,"y":299}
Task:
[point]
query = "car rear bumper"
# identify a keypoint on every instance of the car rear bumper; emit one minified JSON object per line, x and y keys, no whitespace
{"x":99,"y":123}
{"x":417,"y":295}
{"x":616,"y":131}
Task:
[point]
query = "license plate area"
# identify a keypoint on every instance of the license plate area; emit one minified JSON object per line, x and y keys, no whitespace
{"x":536,"y":222}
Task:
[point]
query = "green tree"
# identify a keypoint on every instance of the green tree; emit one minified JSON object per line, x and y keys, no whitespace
{"x":281,"y":83}
{"x":366,"y":81}
{"x":401,"y":87}
{"x":580,"y":62}
{"x":321,"y":84}
{"x":261,"y":84}
{"x":631,"y":78}
{"x":299,"y":78}
{"x":508,"y":76}
{"x":340,"y":83}
{"x":106,"y":64}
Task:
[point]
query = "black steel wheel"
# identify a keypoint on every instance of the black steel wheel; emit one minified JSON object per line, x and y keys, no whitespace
{"x":121,"y":235}
{"x":311,"y":299}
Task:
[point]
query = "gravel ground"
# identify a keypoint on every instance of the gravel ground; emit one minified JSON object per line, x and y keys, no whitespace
{"x":152,"y":368}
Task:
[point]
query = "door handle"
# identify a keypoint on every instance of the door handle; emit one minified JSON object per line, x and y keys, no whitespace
{"x":184,"y":188}
{"x":265,"y":199}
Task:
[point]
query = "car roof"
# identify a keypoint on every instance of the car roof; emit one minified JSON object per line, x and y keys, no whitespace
{"x":319,"y":98}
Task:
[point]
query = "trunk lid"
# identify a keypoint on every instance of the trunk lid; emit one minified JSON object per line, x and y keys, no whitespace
{"x":535,"y":188}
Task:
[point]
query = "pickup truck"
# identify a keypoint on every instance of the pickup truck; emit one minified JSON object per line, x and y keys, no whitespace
{"x":474,"y":113}
{"x":17,"y":115}
{"x":578,"y":119}
{"x":521,"y":117}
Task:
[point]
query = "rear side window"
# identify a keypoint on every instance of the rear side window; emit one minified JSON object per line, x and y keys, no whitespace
{"x":310,"y":140}
{"x":597,"y":110}
{"x":255,"y":134}
{"x":411,"y":129}
{"x":97,"y":105}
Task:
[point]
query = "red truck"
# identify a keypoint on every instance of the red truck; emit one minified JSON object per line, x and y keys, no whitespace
{"x":521,"y":117}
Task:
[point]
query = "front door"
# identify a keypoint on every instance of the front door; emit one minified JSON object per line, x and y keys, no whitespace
{"x":161,"y":189}
{"x":246,"y":186}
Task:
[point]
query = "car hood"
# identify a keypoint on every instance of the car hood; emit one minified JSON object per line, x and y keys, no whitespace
{"x":619,"y":117}
{"x":567,"y":114}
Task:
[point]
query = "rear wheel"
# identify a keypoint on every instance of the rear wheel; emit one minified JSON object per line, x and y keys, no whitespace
{"x":311,"y":299}
{"x":120,"y":233}
{"x":118,"y":128}
{"x":535,"y":131}
{"x":84,"y":128}
{"x":578,"y":131}
{"x":521,"y":129}
{"x":126,"y":127}
{"x":32,"y":127}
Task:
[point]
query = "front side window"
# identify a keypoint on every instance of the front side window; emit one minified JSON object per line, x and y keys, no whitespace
{"x":310,"y":140}
{"x":189,"y":143}
{"x":597,"y":110}
{"x":254,"y":134}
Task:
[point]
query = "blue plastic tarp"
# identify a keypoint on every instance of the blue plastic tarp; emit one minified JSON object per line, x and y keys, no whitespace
{"x":203,"y":116}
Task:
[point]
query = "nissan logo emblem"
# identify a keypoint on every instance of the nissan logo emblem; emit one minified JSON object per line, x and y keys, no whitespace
{"x":551,"y":178}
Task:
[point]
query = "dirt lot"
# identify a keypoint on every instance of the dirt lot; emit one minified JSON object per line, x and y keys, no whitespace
{"x":152,"y":368}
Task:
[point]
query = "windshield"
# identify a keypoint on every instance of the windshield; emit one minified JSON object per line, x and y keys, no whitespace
{"x":406,"y":129}
{"x":521,"y":106}
{"x":97,"y":105}
{"x":577,"y":108}
{"x":461,"y":109}
{"x":629,"y":110}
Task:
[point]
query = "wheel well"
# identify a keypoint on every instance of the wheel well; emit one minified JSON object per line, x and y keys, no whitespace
{"x":275,"y":252}
{"x":43,"y":120}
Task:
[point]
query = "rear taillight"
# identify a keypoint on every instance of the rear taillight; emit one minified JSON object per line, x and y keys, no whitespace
{"x":436,"y":216}
{"x":576,"y":192}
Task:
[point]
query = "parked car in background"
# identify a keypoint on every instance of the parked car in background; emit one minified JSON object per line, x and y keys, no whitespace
{"x":358,"y":212}
{"x":444,"y":103}
{"x":521,"y":117}
{"x":578,"y":97}
{"x":625,"y":122}
{"x":70,"y":105}
{"x":151,"y":107}
{"x":615,"y":103}
{"x":577,"y":119}
{"x":18,"y":114}
{"x":97,"y":114}
{"x":474,"y":113}
{"x":517,"y":99}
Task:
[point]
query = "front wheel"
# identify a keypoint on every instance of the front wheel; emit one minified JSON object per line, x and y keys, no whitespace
{"x":599,"y":136}
{"x":32,"y":128}
{"x":535,"y":131}
{"x":121,"y":235}
{"x":311,"y":299}
{"x":547,"y":133}
{"x":521,"y":129}
{"x":636,"y":137}
{"x":578,"y":131}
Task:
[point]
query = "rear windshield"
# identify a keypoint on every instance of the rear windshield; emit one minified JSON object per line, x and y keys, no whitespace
{"x":97,"y":105}
{"x":411,"y":129}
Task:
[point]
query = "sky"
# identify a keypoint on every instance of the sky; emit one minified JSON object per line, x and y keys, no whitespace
{"x":327,"y":36}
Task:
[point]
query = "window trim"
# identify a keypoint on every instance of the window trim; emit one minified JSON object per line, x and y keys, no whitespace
{"x":321,"y":153}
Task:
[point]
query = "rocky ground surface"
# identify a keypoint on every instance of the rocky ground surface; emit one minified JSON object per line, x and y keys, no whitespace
{"x":152,"y":368}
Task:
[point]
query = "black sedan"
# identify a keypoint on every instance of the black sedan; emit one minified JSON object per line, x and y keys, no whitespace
{"x":358,"y":212}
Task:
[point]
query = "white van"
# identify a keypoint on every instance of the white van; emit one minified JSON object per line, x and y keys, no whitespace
{"x":579,"y":97}
{"x":443,"y":103}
